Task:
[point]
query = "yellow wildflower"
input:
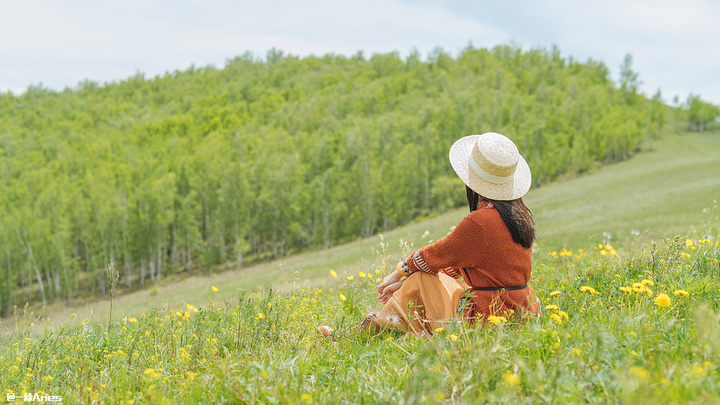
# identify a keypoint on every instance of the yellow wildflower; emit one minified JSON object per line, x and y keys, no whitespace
{"x":588,"y":289}
{"x":662,"y":300}
{"x":332,"y":273}
{"x":132,"y":319}
{"x":626,"y":289}
{"x":361,"y":274}
{"x":640,"y":372}
{"x":452,"y":336}
{"x":511,"y":378}
{"x":681,"y":293}
{"x":191,"y":308}
{"x":554,"y":293}
{"x":342,"y":296}
{"x":350,"y":277}
{"x":577,"y":351}
{"x":496,"y":319}
{"x":551,"y":307}
{"x":563,"y":314}
{"x":214,"y":289}
{"x":152,"y":373}
{"x":556,"y":318}
{"x":48,"y":378}
{"x":438,"y":330}
{"x":647,"y":282}
{"x":307,"y":398}
{"x":260,"y":315}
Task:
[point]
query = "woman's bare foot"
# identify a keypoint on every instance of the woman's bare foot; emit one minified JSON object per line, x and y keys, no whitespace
{"x":325,"y":331}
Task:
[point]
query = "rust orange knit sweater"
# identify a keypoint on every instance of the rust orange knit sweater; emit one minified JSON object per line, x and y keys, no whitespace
{"x":482,"y":248}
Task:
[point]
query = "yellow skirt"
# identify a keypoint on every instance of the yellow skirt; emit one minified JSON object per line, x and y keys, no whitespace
{"x":422,"y":303}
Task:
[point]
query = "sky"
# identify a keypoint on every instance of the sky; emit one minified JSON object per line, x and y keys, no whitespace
{"x":58,"y":44}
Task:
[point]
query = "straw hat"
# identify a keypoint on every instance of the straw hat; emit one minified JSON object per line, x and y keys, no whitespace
{"x":491,"y":165}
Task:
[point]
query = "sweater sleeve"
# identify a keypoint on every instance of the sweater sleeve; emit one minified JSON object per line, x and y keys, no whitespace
{"x":453,"y":272}
{"x":455,"y":250}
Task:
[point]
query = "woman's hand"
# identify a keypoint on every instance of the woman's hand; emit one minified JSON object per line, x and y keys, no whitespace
{"x":388,"y":291}
{"x":390,"y":284}
{"x":391,"y":278}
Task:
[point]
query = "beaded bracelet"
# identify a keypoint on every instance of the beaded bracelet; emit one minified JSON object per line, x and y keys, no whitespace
{"x":406,"y":268}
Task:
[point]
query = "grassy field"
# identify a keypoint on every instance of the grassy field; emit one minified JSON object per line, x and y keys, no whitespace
{"x":188,"y":342}
{"x":658,"y":193}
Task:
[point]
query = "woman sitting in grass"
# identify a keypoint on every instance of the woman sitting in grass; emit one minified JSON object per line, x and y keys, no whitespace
{"x":486,"y":258}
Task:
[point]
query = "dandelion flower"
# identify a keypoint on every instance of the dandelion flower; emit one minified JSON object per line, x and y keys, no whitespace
{"x":191,"y":308}
{"x":698,"y":370}
{"x":647,"y":282}
{"x":640,"y":372}
{"x":260,"y":315}
{"x":361,"y":274}
{"x":511,"y":378}
{"x":588,"y":289}
{"x":132,"y":319}
{"x":438,"y":330}
{"x":564,"y":314}
{"x":342,"y":296}
{"x":48,"y":378}
{"x":554,"y":293}
{"x":332,"y":273}
{"x":350,"y":277}
{"x":556,"y":318}
{"x":577,"y":351}
{"x":452,"y":336}
{"x":496,"y":319}
{"x":662,"y":300}
{"x":74,"y":315}
{"x":551,"y":306}
{"x":306,"y":398}
{"x":681,"y":293}
{"x":369,"y":275}
{"x":214,"y":289}
{"x":151,"y":373}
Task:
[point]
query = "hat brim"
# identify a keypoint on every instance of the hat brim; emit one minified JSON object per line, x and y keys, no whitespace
{"x":461,"y":151}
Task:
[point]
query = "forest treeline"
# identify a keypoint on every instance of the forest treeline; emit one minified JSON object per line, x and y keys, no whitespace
{"x":266,"y":156}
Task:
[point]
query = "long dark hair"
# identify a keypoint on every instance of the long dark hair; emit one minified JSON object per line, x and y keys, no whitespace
{"x":516,"y":215}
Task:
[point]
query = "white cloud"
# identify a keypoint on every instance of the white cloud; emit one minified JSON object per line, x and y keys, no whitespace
{"x":62,"y":43}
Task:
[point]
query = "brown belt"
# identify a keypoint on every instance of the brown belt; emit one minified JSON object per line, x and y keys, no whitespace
{"x":519,"y":287}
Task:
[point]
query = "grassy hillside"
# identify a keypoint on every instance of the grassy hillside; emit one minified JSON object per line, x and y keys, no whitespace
{"x":659,"y":193}
{"x":630,"y":321}
{"x":166,"y":175}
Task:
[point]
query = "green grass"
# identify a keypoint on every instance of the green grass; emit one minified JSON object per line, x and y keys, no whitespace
{"x":601,"y":346}
{"x":247,"y":344}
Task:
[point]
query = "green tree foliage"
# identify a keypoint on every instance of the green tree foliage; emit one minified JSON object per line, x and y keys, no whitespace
{"x":701,"y":116}
{"x":261,"y":158}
